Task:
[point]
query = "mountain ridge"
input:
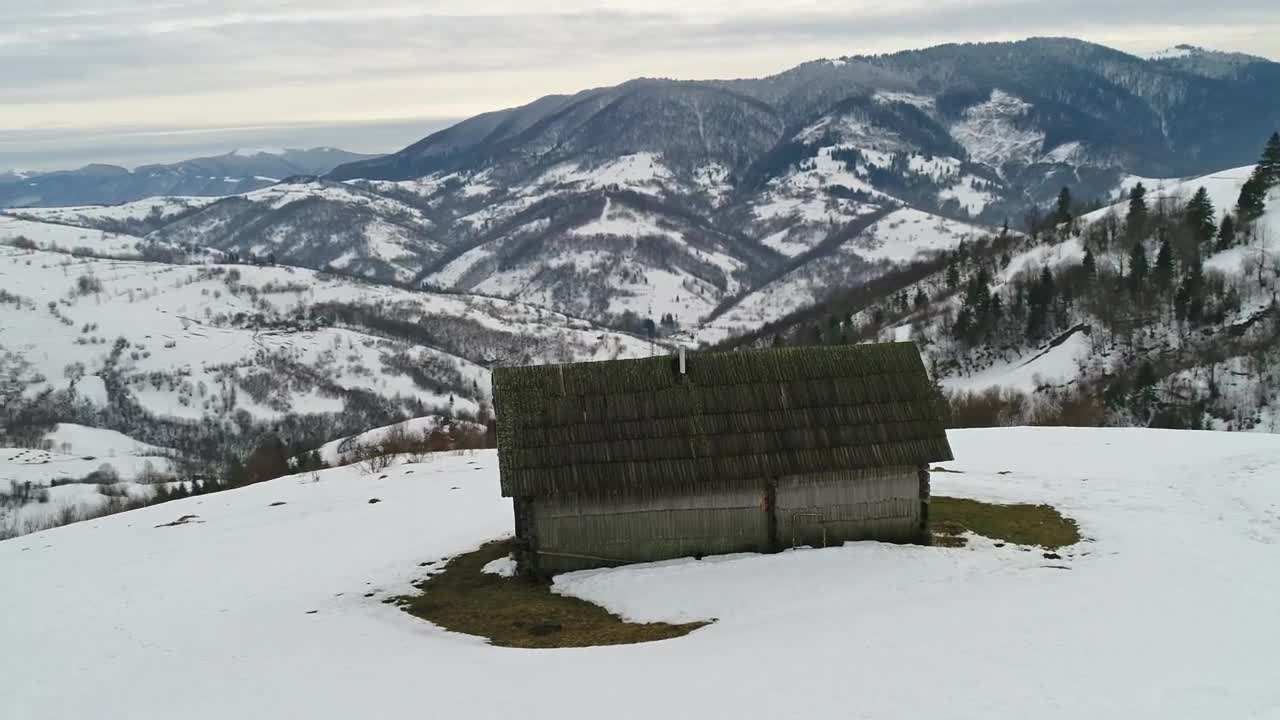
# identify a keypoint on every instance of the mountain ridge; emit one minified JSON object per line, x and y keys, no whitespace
{"x":952,"y":73}
{"x":233,"y":172}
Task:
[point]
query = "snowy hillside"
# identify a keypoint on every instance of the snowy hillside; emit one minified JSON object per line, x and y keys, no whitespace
{"x":154,"y":211}
{"x":69,"y":238}
{"x":193,"y":333}
{"x":603,"y":256}
{"x":205,"y":358}
{"x":891,"y":239}
{"x":75,"y":470}
{"x":1064,"y":363}
{"x":318,"y":225}
{"x":1165,"y":315}
{"x":1178,"y":526}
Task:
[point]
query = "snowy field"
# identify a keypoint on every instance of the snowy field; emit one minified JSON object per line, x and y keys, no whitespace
{"x":343,"y":451}
{"x":157,"y":208}
{"x":1166,"y":611}
{"x":66,"y":238}
{"x":74,"y":452}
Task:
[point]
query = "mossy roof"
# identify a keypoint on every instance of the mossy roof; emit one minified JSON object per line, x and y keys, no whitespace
{"x":636,"y":425}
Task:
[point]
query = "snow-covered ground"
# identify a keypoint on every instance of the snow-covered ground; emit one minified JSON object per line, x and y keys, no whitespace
{"x":1223,"y":188}
{"x":906,"y":234}
{"x":82,"y":440}
{"x":252,"y":610}
{"x":1051,"y":366}
{"x":900,"y":237}
{"x":68,"y":238}
{"x":176,"y":320}
{"x":339,"y":452}
{"x":626,"y":259}
{"x":643,"y":172}
{"x":162,"y":207}
{"x":992,"y":134}
{"x":74,"y":452}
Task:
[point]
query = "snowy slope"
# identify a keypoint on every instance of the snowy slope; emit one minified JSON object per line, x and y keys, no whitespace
{"x":1055,"y":365}
{"x":642,"y":172}
{"x":602,"y":256}
{"x":251,"y":610}
{"x":81,"y":440}
{"x":901,"y":236}
{"x":340,"y":452}
{"x":992,"y":132}
{"x":74,"y":452}
{"x":1223,"y":188}
{"x":194,"y":334}
{"x":1063,"y":364}
{"x":69,"y":238}
{"x":316,"y":224}
{"x":155,"y":209}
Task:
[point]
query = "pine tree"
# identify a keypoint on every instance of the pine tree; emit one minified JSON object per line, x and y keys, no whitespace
{"x":953,"y":276}
{"x":1063,"y":213}
{"x":1226,"y":233}
{"x":1195,"y":274}
{"x":1144,"y":395}
{"x":1046,"y":284}
{"x":1189,"y":301}
{"x":921,"y":299}
{"x":1253,"y":198}
{"x":1164,"y":263}
{"x":268,"y":460}
{"x":1269,"y":167}
{"x":1039,"y":303}
{"x":1090,"y":264}
{"x":1201,"y":218}
{"x":236,"y":474}
{"x":1136,"y":222}
{"x":1146,"y":376}
{"x":1138,"y":267}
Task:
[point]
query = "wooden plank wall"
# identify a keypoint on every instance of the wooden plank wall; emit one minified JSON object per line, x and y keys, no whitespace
{"x":620,"y":529}
{"x":831,"y":508}
{"x":575,"y":532}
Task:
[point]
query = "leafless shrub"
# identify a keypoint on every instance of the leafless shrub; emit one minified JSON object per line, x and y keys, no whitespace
{"x":1008,"y":407}
{"x":371,"y":458}
{"x":113,"y":490}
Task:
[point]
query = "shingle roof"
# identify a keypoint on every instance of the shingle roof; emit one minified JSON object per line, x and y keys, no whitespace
{"x":629,"y":425}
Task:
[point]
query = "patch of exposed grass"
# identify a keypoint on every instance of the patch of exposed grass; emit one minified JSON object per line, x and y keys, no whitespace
{"x":515,"y":612}
{"x":1042,"y":525}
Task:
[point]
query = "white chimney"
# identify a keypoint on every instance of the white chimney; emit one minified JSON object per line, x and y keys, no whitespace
{"x":682,"y":360}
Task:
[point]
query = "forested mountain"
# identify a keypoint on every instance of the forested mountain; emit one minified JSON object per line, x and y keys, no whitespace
{"x":1045,"y":105}
{"x":1160,"y":310}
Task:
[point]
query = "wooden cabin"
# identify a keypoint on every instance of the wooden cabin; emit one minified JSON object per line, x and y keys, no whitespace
{"x":631,"y":461}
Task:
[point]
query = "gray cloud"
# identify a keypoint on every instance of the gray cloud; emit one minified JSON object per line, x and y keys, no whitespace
{"x":87,"y":70}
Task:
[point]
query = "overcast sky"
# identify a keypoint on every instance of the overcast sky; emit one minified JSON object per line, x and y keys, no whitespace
{"x":130,"y":81}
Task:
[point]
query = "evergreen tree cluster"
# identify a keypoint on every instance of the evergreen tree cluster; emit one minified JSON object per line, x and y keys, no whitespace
{"x":1253,"y":196}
